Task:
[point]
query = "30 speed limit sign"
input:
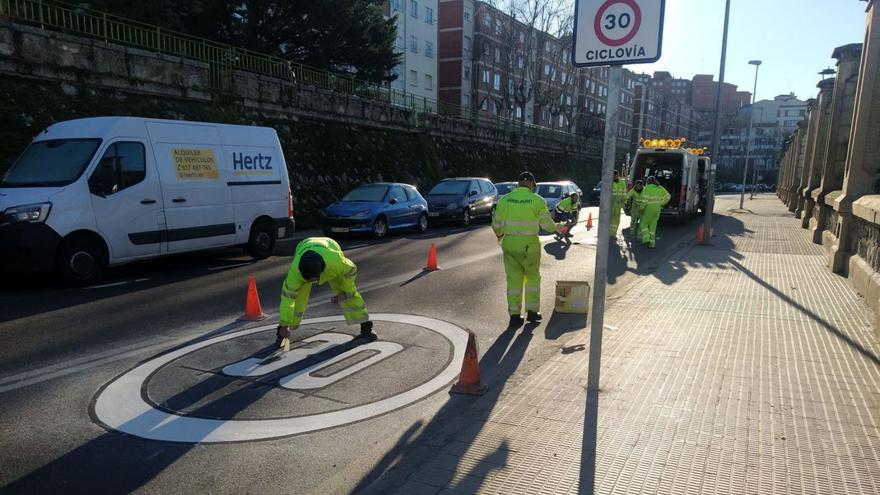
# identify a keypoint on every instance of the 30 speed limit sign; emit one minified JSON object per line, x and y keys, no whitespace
{"x":617,"y":32}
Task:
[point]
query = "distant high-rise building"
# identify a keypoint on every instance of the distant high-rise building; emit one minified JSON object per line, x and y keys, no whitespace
{"x":704,"y":89}
{"x":417,"y":40}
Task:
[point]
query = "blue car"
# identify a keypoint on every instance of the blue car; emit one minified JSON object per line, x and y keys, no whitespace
{"x":376,"y":209}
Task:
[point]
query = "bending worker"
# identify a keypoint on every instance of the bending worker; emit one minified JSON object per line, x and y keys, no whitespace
{"x":519,"y":217}
{"x":320,"y":260}
{"x":634,"y":200}
{"x":618,"y":199}
{"x":567,"y":211}
{"x":654,"y":196}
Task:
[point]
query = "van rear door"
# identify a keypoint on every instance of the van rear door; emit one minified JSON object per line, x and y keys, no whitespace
{"x":197,"y":202}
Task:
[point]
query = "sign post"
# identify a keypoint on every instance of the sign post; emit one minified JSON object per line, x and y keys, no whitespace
{"x":609,"y":33}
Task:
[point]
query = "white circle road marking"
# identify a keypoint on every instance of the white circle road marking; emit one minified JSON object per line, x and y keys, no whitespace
{"x":121,"y":407}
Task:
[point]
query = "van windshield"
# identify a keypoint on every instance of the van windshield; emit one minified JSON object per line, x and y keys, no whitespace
{"x":51,"y":163}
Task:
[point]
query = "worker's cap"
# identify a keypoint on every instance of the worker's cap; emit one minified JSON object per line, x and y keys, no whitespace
{"x":652,"y":180}
{"x":526,"y":176}
{"x":311,"y":264}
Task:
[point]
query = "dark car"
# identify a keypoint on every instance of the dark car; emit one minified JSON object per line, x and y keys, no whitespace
{"x":504,"y":187}
{"x":376,"y":209}
{"x":462,"y":199}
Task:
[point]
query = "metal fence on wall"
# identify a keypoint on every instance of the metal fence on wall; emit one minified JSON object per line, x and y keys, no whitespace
{"x":223,"y":59}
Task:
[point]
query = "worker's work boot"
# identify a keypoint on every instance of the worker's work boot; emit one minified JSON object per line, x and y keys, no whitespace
{"x":534,"y":317}
{"x":367,"y":331}
{"x":516,"y":321}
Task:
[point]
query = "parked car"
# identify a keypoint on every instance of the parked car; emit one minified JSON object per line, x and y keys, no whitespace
{"x":504,"y":187}
{"x":553,"y":192}
{"x":462,"y":199}
{"x":376,"y":209}
{"x":94,"y":192}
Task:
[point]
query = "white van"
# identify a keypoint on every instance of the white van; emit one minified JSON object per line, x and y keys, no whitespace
{"x":676,"y":169}
{"x":93,"y":192}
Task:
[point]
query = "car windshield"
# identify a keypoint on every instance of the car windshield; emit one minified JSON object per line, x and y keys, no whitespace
{"x":367,"y":193}
{"x":55,"y":162}
{"x":504,"y":188}
{"x":549,"y":190}
{"x":451,"y":187}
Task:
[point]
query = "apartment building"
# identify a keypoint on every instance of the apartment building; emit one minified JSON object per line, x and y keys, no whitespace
{"x":417,"y":29}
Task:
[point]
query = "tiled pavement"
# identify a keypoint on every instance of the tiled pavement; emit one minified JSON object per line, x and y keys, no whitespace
{"x":744,"y":367}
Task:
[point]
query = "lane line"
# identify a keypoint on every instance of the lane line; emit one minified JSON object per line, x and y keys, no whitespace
{"x":116,"y":284}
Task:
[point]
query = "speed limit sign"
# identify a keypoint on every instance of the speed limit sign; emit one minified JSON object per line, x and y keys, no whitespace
{"x":617,"y":32}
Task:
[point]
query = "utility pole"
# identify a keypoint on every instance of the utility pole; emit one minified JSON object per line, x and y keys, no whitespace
{"x":742,"y":193}
{"x":716,"y":139}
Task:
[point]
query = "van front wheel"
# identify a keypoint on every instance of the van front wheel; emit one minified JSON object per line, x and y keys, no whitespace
{"x":81,"y":261}
{"x":261,"y":243}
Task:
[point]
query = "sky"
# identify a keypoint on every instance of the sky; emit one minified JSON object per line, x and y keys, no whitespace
{"x":793,"y":38}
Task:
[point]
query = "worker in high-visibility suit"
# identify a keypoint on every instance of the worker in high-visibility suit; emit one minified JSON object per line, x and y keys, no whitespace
{"x":567,"y":211}
{"x":519,"y":217}
{"x":654,"y":196}
{"x":634,"y":202}
{"x":618,"y":199}
{"x":320,"y":260}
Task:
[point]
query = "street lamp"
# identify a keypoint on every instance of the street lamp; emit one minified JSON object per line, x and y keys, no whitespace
{"x":826,"y":72}
{"x":742,"y":193}
{"x":755,"y":167}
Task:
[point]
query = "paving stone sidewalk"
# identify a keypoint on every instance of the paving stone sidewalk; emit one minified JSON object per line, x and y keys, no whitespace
{"x":744,"y":367}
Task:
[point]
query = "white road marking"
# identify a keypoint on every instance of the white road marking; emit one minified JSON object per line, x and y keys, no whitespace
{"x":116,"y":284}
{"x":231,"y":266}
{"x":252,"y":367}
{"x":120,"y":406}
{"x":302,"y":379}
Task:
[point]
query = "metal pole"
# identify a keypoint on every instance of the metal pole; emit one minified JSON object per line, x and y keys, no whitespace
{"x":716,"y":139}
{"x":755,"y":168}
{"x":600,"y":276}
{"x":742,"y":193}
{"x":644,"y":109}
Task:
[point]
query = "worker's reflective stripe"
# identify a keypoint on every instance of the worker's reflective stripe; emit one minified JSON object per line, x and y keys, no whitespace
{"x":514,"y":292}
{"x":344,"y":296}
{"x":522,"y":232}
{"x":532,"y":289}
{"x":520,"y":223}
{"x":288,"y":293}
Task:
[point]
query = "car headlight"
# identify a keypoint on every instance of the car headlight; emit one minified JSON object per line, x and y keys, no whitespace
{"x":361,"y":214}
{"x":452,"y":206}
{"x":34,"y":213}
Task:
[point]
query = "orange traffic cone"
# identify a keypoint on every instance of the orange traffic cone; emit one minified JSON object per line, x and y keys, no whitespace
{"x":432,"y":259}
{"x":590,"y":221}
{"x":252,"y":309}
{"x":469,"y":379}
{"x":701,"y":233}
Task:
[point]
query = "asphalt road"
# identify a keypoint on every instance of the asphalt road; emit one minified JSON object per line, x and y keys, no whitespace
{"x":69,"y":360}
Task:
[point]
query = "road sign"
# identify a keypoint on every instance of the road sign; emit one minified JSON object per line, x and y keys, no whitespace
{"x":617,"y":32}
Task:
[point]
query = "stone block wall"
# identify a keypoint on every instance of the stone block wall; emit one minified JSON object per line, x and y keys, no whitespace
{"x":332,"y":141}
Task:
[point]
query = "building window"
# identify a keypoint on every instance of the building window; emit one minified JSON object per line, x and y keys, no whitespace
{"x":399,"y":44}
{"x":467,"y":15}
{"x":429,"y":49}
{"x":429,"y":15}
{"x":487,"y":21}
{"x":497,"y":82}
{"x":467,"y":44}
{"x":429,"y":81}
{"x":519,"y":112}
{"x":519,"y":62}
{"x":497,"y":55}
{"x":561,"y":120}
{"x":414,"y":8}
{"x":546,"y":70}
{"x":413,"y":43}
{"x":467,"y":72}
{"x":486,"y":76}
{"x":510,"y":86}
{"x":522,"y":37}
{"x":395,"y":5}
{"x":497,"y":26}
{"x":413,"y":78}
{"x":568,"y":100}
{"x":485,"y":104}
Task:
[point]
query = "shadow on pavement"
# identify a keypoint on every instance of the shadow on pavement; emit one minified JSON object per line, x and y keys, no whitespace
{"x":121,"y":463}
{"x":498,"y":363}
{"x":558,"y":249}
{"x":563,"y":323}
